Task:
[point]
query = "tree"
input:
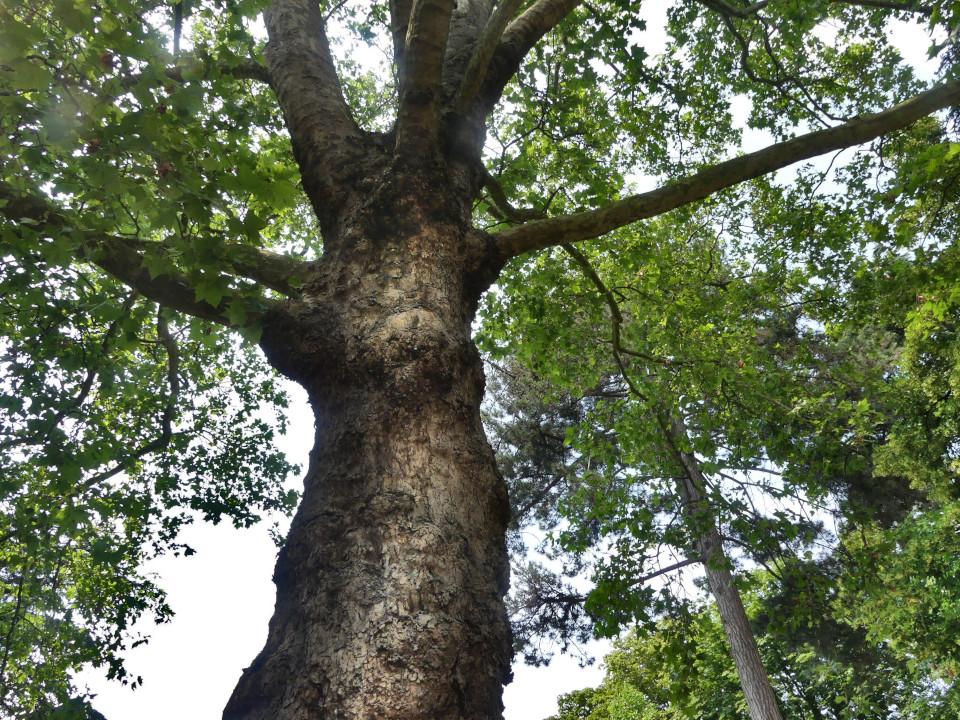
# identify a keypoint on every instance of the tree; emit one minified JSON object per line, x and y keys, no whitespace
{"x":663,"y":443}
{"x":169,"y":174}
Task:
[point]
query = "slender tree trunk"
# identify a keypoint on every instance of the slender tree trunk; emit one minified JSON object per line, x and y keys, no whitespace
{"x":761,"y":698}
{"x":390,"y":585}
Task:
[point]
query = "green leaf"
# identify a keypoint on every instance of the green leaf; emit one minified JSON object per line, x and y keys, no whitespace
{"x":210,"y":288}
{"x":26,"y":75}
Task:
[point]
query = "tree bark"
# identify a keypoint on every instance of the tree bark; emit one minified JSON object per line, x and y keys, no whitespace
{"x":390,"y":585}
{"x":761,"y":699}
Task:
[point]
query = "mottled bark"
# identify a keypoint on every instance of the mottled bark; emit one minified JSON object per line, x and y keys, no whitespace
{"x":519,"y":38}
{"x":389,"y":588}
{"x":390,"y":585}
{"x":484,"y":47}
{"x":466,"y":26}
{"x":418,"y":114}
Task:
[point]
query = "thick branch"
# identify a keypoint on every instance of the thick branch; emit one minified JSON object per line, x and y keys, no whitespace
{"x":518,"y":39}
{"x":250,"y":70}
{"x":326,"y":140}
{"x":483,"y":52}
{"x":276,"y":271}
{"x":123,"y":262}
{"x":399,"y":22}
{"x":418,"y":117}
{"x":467,"y":24}
{"x":910,"y":6}
{"x":593,"y":223}
{"x":119,"y":257}
{"x":177,"y":27}
{"x":743,"y":12}
{"x":273,"y":270}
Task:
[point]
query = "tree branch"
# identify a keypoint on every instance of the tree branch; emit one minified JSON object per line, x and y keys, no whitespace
{"x":177,"y":27}
{"x":616,"y":322}
{"x":741,"y":12}
{"x":273,"y":270}
{"x":166,"y":419}
{"x":744,"y":12}
{"x":276,"y":271}
{"x":483,"y":52}
{"x":250,"y":70}
{"x":399,"y":22}
{"x":579,"y":599}
{"x":120,"y":257}
{"x":518,"y":39}
{"x":908,"y":6}
{"x":502,"y":207}
{"x":418,"y":117}
{"x":593,"y":223}
{"x":326,"y":140}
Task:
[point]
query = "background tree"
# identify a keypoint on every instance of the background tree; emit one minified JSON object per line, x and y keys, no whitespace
{"x":167,"y":181}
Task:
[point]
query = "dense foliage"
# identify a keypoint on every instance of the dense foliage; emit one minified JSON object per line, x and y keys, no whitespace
{"x":822,"y":668}
{"x":121,"y":421}
{"x":806,"y":338}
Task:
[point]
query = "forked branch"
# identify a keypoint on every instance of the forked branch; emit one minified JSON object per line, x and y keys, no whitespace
{"x":594,"y":223}
{"x":482,"y":54}
{"x":501,"y":207}
{"x":399,"y":22}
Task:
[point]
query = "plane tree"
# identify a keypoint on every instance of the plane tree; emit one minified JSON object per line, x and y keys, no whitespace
{"x":171,"y":176}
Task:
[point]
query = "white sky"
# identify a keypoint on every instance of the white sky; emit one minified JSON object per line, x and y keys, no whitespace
{"x":223,"y":596}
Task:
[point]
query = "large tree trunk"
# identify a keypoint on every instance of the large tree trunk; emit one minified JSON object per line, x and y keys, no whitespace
{"x":390,"y":585}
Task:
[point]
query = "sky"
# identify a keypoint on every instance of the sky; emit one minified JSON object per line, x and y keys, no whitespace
{"x":223,"y":597}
